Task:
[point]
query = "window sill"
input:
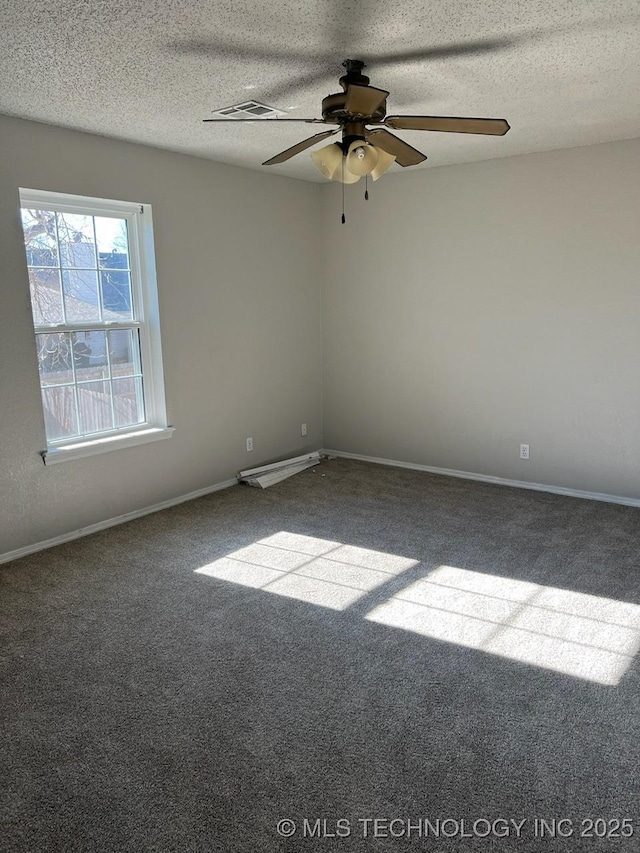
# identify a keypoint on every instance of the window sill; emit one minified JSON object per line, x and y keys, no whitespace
{"x":104,"y":445}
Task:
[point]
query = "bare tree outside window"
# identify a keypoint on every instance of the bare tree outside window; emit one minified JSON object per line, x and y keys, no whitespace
{"x":87,"y":341}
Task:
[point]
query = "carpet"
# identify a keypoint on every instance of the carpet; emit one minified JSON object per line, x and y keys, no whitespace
{"x":358,"y":658}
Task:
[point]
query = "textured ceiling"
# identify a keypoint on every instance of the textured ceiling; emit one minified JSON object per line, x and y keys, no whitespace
{"x":563,"y":74}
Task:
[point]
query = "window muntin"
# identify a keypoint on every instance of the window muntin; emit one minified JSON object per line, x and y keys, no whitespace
{"x":99,"y":363}
{"x":91,"y":381}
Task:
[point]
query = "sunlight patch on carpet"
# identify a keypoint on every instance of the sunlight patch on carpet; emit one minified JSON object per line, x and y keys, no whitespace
{"x":581,"y":635}
{"x":317,"y":571}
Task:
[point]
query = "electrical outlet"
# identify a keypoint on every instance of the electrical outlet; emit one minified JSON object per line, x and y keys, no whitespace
{"x":249,"y":445}
{"x":524,"y":451}
{"x":303,"y":429}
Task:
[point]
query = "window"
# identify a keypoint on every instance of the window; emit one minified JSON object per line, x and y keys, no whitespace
{"x":95,"y":314}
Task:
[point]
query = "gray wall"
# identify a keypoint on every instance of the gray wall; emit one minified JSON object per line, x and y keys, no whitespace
{"x":465,"y":309}
{"x":236,"y":257}
{"x":468,"y":309}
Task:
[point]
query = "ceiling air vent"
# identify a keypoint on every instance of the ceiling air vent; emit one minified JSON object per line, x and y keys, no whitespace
{"x":249,"y":109}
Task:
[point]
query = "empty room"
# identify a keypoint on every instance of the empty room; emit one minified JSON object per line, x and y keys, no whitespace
{"x":320,"y":426}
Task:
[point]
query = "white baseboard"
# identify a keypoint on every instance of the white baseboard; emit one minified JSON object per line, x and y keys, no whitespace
{"x":112,"y":522}
{"x":485,"y":478}
{"x":447,"y":472}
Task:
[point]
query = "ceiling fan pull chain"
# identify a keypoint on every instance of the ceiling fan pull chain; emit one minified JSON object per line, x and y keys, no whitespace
{"x":344,"y":218}
{"x":366,"y":187}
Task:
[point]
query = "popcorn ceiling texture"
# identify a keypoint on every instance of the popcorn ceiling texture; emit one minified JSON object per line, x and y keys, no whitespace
{"x":563,"y":74}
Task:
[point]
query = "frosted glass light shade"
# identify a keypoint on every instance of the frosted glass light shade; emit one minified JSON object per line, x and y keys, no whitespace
{"x":344,"y":176}
{"x":384,"y":161}
{"x":328,"y":159}
{"x":362,"y":158}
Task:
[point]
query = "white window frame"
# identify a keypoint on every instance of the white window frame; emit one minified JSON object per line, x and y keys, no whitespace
{"x":144,"y":294}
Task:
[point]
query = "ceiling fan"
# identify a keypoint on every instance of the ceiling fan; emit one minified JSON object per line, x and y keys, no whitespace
{"x":366,"y":151}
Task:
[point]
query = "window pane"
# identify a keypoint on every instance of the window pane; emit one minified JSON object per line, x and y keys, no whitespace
{"x":94,"y":404}
{"x":124,"y":352}
{"x":54,"y":358}
{"x":128,"y":401}
{"x":39,"y":228}
{"x":46,"y":296}
{"x":116,"y":294}
{"x":80,"y":289}
{"x":111,"y":237}
{"x":60,"y":418}
{"x":77,"y":240}
{"x":90,"y":355}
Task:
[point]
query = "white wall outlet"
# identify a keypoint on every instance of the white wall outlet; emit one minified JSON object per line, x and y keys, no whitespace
{"x":524,"y":451}
{"x":303,"y":429}
{"x":249,"y":445}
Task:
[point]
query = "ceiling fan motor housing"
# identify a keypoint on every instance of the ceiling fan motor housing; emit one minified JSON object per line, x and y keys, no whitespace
{"x":353,"y":132}
{"x":333,"y":110}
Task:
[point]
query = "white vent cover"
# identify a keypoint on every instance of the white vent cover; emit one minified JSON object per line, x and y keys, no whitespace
{"x":267,"y":475}
{"x":249,"y":109}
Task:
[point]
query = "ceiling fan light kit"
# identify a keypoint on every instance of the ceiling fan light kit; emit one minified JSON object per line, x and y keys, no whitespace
{"x":384,"y":161}
{"x":328,"y":160}
{"x":362,"y":158}
{"x":366,"y":150}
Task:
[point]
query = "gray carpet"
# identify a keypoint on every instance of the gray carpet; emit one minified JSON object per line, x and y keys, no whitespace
{"x":357,"y":642}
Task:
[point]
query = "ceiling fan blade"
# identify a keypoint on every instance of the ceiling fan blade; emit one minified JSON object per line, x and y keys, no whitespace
{"x":449,"y":124}
{"x":300,"y":146}
{"x":405,"y":154}
{"x":364,"y":100}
